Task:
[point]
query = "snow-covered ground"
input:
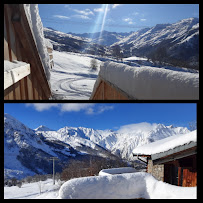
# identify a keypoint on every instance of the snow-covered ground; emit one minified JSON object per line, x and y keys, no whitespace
{"x":71,"y":77}
{"x":122,"y":186}
{"x":32,"y":190}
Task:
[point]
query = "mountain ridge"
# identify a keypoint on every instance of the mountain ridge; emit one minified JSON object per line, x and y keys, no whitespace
{"x":176,"y":43}
{"x":27,"y":151}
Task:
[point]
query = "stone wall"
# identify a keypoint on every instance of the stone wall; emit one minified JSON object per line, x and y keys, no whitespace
{"x":156,"y":170}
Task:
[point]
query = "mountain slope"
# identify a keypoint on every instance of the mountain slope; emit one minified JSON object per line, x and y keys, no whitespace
{"x":178,"y":42}
{"x":27,"y":151}
{"x":72,"y":43}
{"x":103,"y":38}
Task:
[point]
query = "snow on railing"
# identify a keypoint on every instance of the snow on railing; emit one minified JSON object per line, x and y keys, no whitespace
{"x":14,"y":72}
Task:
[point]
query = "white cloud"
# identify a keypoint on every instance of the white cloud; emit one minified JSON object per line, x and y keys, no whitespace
{"x":98,"y":10}
{"x":42,"y":106}
{"x":102,"y":108}
{"x":61,"y":17}
{"x":128,"y":20}
{"x":115,"y":5}
{"x":143,"y":19}
{"x":75,"y":107}
{"x":85,"y":12}
{"x":90,"y":109}
{"x":82,"y":17}
{"x":134,"y":128}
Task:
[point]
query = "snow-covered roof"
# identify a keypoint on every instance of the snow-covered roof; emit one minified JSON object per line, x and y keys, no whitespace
{"x":113,"y":171}
{"x":149,"y":83}
{"x":166,"y":144}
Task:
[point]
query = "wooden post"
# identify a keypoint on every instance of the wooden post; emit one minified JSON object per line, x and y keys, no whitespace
{"x":53,"y":159}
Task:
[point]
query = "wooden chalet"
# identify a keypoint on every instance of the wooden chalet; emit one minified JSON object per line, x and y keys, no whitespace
{"x":27,"y":81}
{"x":172,"y":160}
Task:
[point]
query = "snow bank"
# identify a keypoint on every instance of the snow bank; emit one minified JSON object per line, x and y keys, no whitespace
{"x":36,"y":26}
{"x":114,"y":171}
{"x":125,"y":186}
{"x":166,"y":144}
{"x":150,"y":82}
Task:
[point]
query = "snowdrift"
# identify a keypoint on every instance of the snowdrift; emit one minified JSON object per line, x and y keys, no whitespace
{"x":124,"y":186}
{"x":149,"y":83}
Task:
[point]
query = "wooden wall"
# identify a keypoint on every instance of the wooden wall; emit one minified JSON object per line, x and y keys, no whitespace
{"x":19,"y":45}
{"x":182,"y":172}
{"x":106,"y":91}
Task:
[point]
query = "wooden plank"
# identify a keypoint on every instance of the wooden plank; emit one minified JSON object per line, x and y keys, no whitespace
{"x":7,"y":30}
{"x":12,"y":37}
{"x":189,"y":178}
{"x":20,"y":72}
{"x":8,"y":93}
{"x":8,"y":79}
{"x":17,"y":91}
{"x":6,"y":52}
{"x":22,"y":89}
{"x":29,"y":88}
{"x":179,"y":176}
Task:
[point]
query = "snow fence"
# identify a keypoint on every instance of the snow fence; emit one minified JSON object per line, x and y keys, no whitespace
{"x":123,"y":186}
{"x":149,"y":83}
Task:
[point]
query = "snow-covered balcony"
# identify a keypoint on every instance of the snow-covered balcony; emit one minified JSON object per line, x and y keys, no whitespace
{"x":118,"y":81}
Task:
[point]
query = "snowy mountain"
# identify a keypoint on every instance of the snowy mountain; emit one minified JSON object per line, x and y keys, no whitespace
{"x":104,"y":38}
{"x":42,"y":128}
{"x":72,"y":43}
{"x":178,"y":42}
{"x":27,"y":151}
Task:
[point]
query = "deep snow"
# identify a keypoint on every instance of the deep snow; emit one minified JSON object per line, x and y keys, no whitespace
{"x":124,"y":186}
{"x":150,"y":83}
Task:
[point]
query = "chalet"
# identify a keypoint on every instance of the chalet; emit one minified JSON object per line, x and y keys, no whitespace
{"x":172,"y":160}
{"x":117,"y":81}
{"x":26,"y":76}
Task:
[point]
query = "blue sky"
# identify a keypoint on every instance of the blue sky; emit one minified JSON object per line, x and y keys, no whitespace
{"x":81,"y":18}
{"x":101,"y":116}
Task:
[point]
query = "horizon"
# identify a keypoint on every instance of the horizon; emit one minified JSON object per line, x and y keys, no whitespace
{"x":91,"y":18}
{"x":104,"y":116}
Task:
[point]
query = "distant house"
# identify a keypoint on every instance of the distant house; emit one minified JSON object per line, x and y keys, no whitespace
{"x":117,"y":81}
{"x":172,"y":160}
{"x":25,"y":75}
